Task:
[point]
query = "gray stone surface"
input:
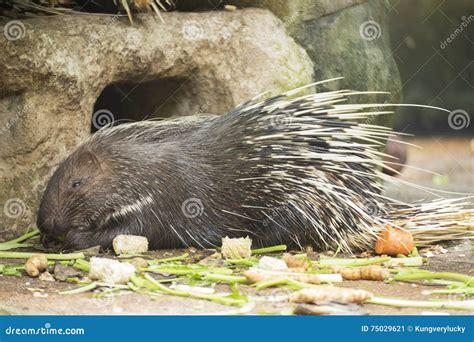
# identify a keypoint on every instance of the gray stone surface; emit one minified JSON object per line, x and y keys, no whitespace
{"x":53,"y":69}
{"x":348,"y":38}
{"x":354,"y":43}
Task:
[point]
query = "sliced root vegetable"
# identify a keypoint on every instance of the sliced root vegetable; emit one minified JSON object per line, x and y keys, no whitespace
{"x":325,"y":261}
{"x":256,"y":275}
{"x":36,"y":264}
{"x":371,"y":272}
{"x":323,"y":294}
{"x":236,"y":248}
{"x":296,"y":261}
{"x":130,"y":244}
{"x":394,"y":241}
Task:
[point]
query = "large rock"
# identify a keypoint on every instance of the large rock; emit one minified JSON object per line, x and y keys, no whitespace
{"x":54,"y":70}
{"x":354,"y":43}
{"x":348,"y":38}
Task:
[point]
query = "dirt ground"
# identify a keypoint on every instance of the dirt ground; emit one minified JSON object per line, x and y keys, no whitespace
{"x":452,"y":158}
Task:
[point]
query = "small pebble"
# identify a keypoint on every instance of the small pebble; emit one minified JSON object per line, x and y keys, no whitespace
{"x":40,"y":295}
{"x":46,"y":276}
{"x":61,"y":272}
{"x":230,"y":8}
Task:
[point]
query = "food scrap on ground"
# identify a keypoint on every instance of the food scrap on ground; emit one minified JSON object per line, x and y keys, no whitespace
{"x":304,"y":283}
{"x":325,"y":294}
{"x":236,"y":248}
{"x":130,"y":244}
{"x":110,"y":271}
{"x":36,"y":264}
{"x":394,"y":241}
{"x":371,"y":272}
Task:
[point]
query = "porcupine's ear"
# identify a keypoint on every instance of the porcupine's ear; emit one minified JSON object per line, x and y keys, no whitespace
{"x":88,"y":158}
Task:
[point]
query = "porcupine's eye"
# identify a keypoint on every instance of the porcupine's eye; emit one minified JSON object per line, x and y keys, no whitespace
{"x":75,"y":184}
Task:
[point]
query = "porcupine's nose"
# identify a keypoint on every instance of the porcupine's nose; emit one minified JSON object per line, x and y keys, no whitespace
{"x":50,"y":230}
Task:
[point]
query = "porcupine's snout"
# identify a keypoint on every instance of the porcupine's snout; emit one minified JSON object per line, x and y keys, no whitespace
{"x":52,"y":225}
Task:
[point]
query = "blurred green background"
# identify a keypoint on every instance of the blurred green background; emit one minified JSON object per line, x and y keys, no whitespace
{"x":434,"y":70}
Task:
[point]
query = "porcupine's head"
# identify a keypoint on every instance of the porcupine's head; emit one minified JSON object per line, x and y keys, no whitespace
{"x":76,"y":198}
{"x":112,"y":185}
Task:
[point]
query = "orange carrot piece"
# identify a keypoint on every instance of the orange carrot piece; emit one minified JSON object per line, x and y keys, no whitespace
{"x":393,"y":241}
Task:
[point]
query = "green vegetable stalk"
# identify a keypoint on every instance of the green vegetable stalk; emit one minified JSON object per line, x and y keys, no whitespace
{"x":25,"y":255}
{"x":271,"y":249}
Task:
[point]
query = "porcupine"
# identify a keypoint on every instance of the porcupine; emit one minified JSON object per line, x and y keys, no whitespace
{"x":293,"y":170}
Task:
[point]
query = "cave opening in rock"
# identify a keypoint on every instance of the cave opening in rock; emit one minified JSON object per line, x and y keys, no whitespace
{"x":134,"y":101}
